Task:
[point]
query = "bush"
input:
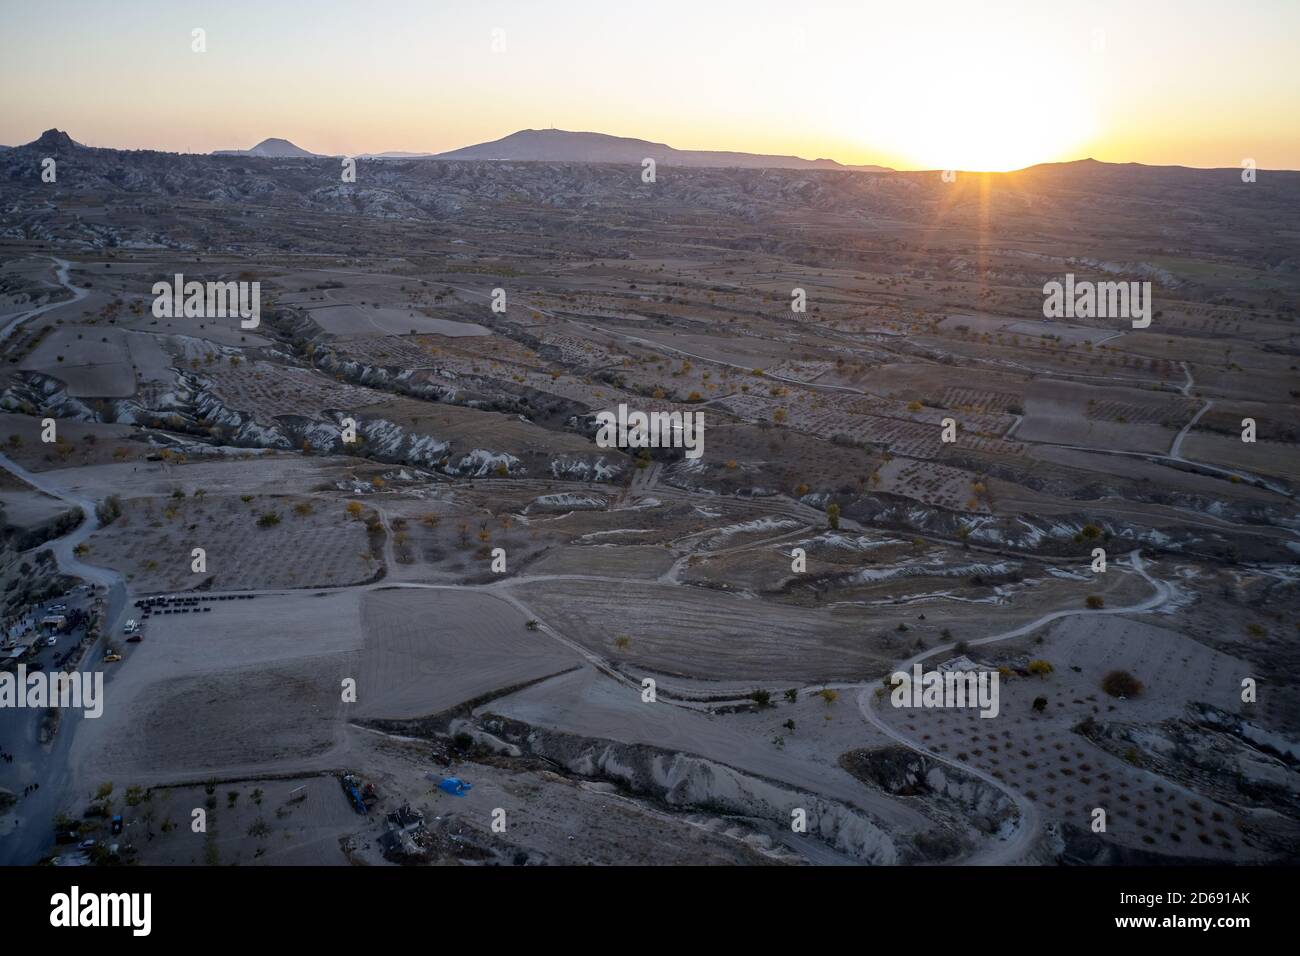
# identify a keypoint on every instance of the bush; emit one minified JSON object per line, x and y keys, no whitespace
{"x":1121,"y":684}
{"x":1095,"y":602}
{"x":268,"y":520}
{"x":761,"y":697}
{"x":109,"y":510}
{"x":1040,"y":667}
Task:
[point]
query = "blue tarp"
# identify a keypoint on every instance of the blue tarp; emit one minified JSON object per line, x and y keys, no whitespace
{"x":455,"y":786}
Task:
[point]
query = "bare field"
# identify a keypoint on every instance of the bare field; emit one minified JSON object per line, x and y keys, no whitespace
{"x":428,"y":650}
{"x":708,"y":633}
{"x":251,"y":684}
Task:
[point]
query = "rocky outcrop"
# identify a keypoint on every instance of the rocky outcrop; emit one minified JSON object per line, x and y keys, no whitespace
{"x":906,"y":773}
{"x":686,"y":781}
{"x":195,"y":409}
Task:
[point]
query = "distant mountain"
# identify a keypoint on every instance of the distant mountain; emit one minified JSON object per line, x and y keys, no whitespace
{"x":562,"y":146}
{"x":271,"y":149}
{"x":396,"y":155}
{"x":54,"y":141}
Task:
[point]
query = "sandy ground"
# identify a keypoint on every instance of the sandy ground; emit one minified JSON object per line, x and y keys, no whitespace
{"x":386,"y":320}
{"x":28,"y":508}
{"x":252,"y":684}
{"x":428,"y":650}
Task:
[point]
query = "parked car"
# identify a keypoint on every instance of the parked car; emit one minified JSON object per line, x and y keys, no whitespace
{"x":117,"y":824}
{"x":112,"y":658}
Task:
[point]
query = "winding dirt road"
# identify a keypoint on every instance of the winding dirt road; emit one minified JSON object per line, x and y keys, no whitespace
{"x":1014,"y":846}
{"x":61,"y":272}
{"x":30,"y":838}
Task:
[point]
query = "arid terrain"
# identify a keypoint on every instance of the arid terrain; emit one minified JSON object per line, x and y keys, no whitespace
{"x":416,"y":561}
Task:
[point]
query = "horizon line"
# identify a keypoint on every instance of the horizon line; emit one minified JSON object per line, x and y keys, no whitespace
{"x":398,"y":154}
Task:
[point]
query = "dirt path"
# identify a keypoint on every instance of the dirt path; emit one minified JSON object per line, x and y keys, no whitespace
{"x":1021,"y":840}
{"x":61,"y":272}
{"x":1186,"y":389}
{"x":1176,"y":447}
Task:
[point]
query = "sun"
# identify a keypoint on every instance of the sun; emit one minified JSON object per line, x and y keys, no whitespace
{"x":1001,"y":120}
{"x":981,"y":110}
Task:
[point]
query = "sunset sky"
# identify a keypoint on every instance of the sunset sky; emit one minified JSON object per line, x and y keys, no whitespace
{"x":930,"y":85}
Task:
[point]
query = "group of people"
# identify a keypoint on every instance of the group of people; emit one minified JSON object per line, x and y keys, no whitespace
{"x":29,"y":789}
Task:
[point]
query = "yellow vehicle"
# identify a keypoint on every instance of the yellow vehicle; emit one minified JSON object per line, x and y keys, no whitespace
{"x":112,"y":658}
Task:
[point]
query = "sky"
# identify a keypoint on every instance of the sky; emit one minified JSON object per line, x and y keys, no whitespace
{"x":924,"y":84}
